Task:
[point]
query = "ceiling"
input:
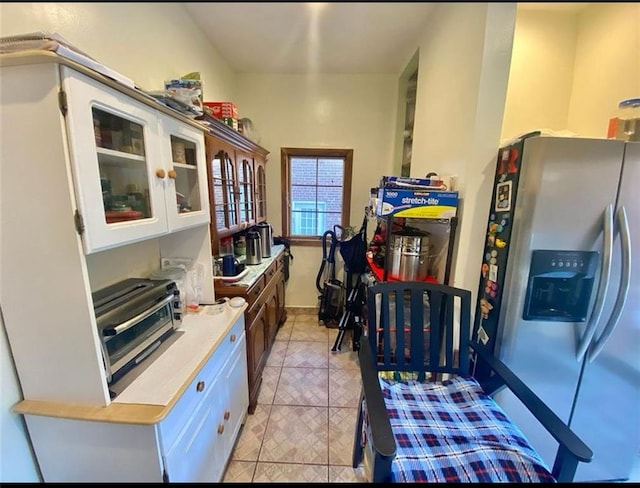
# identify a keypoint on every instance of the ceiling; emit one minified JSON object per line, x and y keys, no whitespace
{"x":314,"y":37}
{"x":298,"y":37}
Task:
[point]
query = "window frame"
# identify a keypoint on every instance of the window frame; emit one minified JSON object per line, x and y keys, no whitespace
{"x":286,"y":153}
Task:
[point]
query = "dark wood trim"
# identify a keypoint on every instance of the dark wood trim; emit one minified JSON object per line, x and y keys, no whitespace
{"x":222,"y":131}
{"x":285,"y":179}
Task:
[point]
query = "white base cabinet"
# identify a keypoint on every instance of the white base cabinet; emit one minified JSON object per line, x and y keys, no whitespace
{"x":192,"y":443}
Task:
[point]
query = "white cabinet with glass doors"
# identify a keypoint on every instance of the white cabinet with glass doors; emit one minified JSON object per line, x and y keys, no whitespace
{"x":138,"y":173}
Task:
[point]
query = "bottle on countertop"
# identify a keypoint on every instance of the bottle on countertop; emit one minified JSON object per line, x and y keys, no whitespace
{"x":625,"y":124}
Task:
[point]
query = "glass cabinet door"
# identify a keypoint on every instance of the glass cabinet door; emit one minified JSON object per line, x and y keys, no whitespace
{"x":186,"y":182}
{"x":121,"y":162}
{"x":115,"y":153}
{"x":261,"y":190}
{"x":245,"y":188}
{"x":225,"y":199}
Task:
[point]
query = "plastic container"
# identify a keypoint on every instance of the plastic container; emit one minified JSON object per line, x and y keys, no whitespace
{"x":625,"y":125}
{"x":177,"y":274}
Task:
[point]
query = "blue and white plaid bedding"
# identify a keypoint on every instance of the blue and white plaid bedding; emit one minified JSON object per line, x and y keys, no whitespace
{"x":451,"y":431}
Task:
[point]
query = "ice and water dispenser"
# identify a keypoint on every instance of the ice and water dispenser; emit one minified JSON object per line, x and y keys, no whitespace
{"x":560,"y":285}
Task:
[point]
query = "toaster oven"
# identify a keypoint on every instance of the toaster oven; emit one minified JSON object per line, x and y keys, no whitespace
{"x":134,"y":317}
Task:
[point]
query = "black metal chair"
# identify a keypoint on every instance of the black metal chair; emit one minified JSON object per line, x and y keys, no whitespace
{"x":422,"y":415}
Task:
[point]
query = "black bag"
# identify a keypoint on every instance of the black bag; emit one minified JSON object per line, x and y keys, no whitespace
{"x":287,"y":254}
{"x":354,"y":251}
{"x":331,"y":304}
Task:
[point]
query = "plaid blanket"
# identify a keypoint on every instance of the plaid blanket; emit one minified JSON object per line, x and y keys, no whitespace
{"x":452,"y":431}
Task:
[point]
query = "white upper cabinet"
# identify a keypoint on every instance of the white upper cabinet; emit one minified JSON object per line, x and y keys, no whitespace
{"x":187,"y":197}
{"x":137,"y":172}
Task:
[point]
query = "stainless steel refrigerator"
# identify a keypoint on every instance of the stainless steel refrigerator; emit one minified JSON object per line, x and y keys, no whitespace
{"x":559,"y":292}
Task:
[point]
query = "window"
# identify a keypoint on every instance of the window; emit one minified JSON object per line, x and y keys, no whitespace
{"x":316,"y":192}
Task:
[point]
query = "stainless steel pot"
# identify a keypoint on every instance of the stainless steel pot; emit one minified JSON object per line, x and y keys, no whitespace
{"x":254,"y":248}
{"x":410,"y":256}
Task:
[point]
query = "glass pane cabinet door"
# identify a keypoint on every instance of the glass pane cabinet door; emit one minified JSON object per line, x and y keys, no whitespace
{"x":224,"y":194}
{"x":123,"y":170}
{"x":245,"y":186}
{"x":261,"y":191}
{"x":115,"y":150}
{"x":186,"y":183}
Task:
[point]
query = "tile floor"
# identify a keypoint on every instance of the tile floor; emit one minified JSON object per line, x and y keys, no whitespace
{"x":303,"y":427}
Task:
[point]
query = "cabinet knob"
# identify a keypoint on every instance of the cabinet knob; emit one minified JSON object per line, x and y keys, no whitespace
{"x":220,"y":428}
{"x":200,"y":386}
{"x":172,"y":174}
{"x":232,"y":338}
{"x":160,"y":173}
{"x":227,"y":414}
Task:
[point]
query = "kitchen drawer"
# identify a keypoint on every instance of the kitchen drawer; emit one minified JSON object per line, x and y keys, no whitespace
{"x":197,"y":390}
{"x":254,"y":292}
{"x":271,"y":271}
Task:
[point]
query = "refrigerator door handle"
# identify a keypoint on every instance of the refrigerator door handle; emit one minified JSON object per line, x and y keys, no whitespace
{"x":603,"y":284}
{"x":623,"y":291}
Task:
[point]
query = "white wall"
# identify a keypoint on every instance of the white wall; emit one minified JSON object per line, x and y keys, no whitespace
{"x":607,"y":65}
{"x":465,"y":55}
{"x":326,"y":111}
{"x":541,"y":76}
{"x":570,"y":69}
{"x":148,"y":42}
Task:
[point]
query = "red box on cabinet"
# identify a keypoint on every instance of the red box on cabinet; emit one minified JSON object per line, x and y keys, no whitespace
{"x":223,"y":109}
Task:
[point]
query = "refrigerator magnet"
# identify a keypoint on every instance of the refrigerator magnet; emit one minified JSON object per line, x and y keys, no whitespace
{"x":493,"y":272}
{"x":503,"y":196}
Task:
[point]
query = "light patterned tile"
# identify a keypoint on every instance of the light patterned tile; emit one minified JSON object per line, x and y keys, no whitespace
{"x":345,"y":358}
{"x":296,"y":435}
{"x":270,"y":377}
{"x":284,"y":332}
{"x":309,"y":332}
{"x":278,"y":351}
{"x":293,"y":311}
{"x":297,"y":473}
{"x":306,"y":354}
{"x":239,"y":472}
{"x":344,"y":387}
{"x":303,"y":386}
{"x":342,"y":424}
{"x":346,"y":474}
{"x":307,"y":318}
{"x":251,"y":435}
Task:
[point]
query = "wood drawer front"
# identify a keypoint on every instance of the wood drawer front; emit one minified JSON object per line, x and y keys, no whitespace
{"x":280,"y":261}
{"x":271,"y":271}
{"x":255,"y":291}
{"x":178,"y":418}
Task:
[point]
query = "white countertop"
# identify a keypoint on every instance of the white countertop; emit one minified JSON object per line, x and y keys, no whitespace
{"x":172,"y":369}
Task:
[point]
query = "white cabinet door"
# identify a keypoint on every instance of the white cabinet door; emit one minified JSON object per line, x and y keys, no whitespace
{"x":115,"y":151}
{"x":236,"y":399}
{"x":183,"y":152}
{"x":198,"y":455}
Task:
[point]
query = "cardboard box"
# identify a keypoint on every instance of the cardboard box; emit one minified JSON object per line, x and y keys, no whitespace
{"x":223,"y":110}
{"x":417,"y":203}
